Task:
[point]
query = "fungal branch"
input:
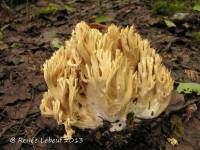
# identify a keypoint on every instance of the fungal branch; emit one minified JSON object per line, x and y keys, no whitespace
{"x":96,"y":76}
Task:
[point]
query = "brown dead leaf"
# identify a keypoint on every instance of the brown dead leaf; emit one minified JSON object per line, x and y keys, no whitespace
{"x":192,"y":130}
{"x":47,"y":37}
{"x":14,"y":146}
{"x":13,"y":93}
{"x":177,"y":127}
{"x":4,"y":128}
{"x":180,"y":146}
{"x":3,"y":45}
{"x":177,"y":102}
{"x":18,"y":111}
{"x":192,"y":74}
{"x":44,"y":122}
{"x":5,"y":13}
{"x":101,"y":27}
{"x":190,"y":110}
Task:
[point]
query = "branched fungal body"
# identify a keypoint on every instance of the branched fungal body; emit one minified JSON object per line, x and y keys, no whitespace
{"x":104,"y":76}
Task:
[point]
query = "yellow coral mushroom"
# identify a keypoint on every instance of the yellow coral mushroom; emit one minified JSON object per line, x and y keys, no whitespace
{"x":104,"y":76}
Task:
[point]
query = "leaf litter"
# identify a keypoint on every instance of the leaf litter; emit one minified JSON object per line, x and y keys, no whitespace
{"x":27,"y":42}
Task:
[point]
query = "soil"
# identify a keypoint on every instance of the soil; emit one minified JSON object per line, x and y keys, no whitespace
{"x":26,"y":44}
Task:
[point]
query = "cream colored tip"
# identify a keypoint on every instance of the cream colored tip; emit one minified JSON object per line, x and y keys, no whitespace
{"x":104,"y":76}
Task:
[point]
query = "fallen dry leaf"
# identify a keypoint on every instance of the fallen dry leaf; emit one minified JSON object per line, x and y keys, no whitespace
{"x":192,"y":74}
{"x":190,"y":110}
{"x":177,"y":102}
{"x":192,"y":130}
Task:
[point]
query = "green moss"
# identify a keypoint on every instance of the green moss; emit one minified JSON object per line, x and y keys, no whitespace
{"x":171,"y":6}
{"x":50,"y":9}
{"x":56,"y":43}
{"x":69,"y":8}
{"x":103,"y":18}
{"x":194,"y":35}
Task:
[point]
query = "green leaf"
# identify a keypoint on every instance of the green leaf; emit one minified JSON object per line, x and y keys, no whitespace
{"x":56,"y":43}
{"x":69,"y":8}
{"x":169,"y":23}
{"x":188,"y":88}
{"x":196,"y":7}
{"x":50,"y":9}
{"x":103,"y":18}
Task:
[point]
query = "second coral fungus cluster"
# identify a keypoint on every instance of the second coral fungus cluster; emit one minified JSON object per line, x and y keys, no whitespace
{"x":104,"y":76}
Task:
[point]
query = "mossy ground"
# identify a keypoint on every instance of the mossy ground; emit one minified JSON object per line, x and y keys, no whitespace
{"x":171,"y":6}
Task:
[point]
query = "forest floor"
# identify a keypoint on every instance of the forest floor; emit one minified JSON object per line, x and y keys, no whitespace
{"x":26,"y":41}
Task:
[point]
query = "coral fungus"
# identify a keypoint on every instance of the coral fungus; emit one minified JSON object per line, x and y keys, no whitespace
{"x":104,"y":76}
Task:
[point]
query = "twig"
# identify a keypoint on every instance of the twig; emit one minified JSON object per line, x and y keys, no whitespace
{"x":27,"y":11}
{"x":5,"y":5}
{"x":4,"y":129}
